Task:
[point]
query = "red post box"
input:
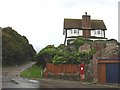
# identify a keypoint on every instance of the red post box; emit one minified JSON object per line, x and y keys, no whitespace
{"x":82,"y":71}
{"x":82,"y":66}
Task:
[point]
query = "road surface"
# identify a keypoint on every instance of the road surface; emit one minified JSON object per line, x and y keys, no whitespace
{"x":11,"y":77}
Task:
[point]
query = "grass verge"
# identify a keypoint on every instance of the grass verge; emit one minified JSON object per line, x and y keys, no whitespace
{"x":34,"y":72}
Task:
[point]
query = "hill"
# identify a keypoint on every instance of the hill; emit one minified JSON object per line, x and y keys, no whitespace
{"x":15,"y":48}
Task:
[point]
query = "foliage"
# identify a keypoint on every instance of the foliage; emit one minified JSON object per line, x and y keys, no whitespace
{"x":15,"y":48}
{"x":79,"y":41}
{"x":64,"y":54}
{"x":33,"y":72}
{"x":46,"y":55}
{"x":58,"y":55}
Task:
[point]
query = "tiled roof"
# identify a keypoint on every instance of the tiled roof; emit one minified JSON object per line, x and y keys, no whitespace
{"x":77,"y":24}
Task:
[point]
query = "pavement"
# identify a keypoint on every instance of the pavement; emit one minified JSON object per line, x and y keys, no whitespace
{"x":57,"y":83}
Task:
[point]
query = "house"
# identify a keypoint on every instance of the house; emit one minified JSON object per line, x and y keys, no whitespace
{"x":86,"y":27}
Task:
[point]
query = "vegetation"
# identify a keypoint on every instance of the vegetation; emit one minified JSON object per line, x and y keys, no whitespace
{"x":79,"y":41}
{"x":15,"y":48}
{"x":64,"y":54}
{"x":33,"y":72}
{"x":45,"y":55}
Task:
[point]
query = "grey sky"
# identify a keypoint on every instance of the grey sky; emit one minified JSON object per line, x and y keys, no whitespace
{"x":41,"y":21}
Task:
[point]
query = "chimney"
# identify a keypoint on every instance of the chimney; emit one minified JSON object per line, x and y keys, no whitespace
{"x":86,"y":24}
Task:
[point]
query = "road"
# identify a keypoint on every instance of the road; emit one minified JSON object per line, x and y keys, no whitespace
{"x":11,"y":79}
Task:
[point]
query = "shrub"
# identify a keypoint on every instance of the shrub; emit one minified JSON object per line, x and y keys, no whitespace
{"x":79,"y":41}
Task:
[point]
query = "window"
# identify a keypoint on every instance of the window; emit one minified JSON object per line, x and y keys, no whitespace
{"x":78,"y":31}
{"x":98,"y":32}
{"x":101,"y":32}
{"x":71,"y":31}
{"x":94,"y":32}
{"x":75,"y":31}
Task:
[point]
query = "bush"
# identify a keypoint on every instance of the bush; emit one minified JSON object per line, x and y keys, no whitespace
{"x":64,"y":54}
{"x":78,"y":42}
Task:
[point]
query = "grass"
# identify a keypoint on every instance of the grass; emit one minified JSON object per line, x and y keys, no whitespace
{"x":34,"y":72}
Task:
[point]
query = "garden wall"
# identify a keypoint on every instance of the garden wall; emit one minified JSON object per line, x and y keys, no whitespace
{"x":67,"y":71}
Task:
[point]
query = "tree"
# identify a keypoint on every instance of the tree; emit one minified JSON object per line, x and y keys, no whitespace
{"x":46,"y":55}
{"x":15,"y":48}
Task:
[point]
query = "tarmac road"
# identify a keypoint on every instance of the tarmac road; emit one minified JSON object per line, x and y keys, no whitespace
{"x":11,"y":77}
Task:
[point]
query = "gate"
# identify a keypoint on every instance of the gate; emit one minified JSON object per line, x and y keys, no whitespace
{"x":113,"y":73}
{"x":102,"y":73}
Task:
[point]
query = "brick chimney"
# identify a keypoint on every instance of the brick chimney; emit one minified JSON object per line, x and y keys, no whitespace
{"x":86,"y":25}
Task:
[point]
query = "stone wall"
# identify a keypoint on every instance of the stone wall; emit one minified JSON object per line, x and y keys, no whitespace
{"x":111,"y":50}
{"x":85,"y":47}
{"x":95,"y":69}
{"x":89,"y":72}
{"x":98,"y":45}
{"x":104,"y":49}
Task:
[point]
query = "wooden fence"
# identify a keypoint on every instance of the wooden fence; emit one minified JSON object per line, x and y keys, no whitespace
{"x":58,"y":69}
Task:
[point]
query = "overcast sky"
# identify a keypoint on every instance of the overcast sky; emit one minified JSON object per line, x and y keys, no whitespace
{"x":41,"y":21}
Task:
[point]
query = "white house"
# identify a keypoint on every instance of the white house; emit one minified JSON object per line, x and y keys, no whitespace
{"x":88,"y":28}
